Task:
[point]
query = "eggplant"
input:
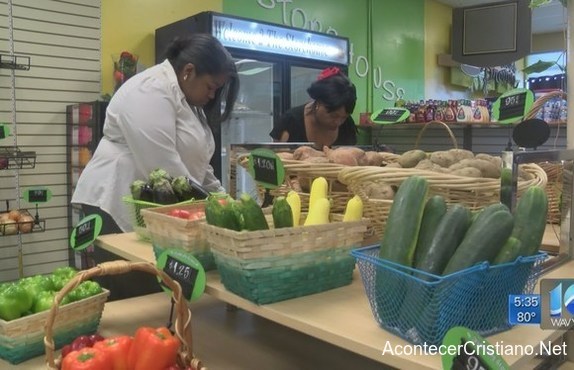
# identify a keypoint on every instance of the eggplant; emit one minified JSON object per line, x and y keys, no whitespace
{"x":140,"y":190}
{"x":163,"y":192}
{"x":187,"y":189}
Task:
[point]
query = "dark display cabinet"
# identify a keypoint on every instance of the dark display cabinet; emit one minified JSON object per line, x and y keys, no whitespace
{"x":84,"y":129}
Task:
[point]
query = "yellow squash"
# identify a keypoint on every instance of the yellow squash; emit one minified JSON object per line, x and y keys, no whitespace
{"x":354,"y":209}
{"x":295,"y":202}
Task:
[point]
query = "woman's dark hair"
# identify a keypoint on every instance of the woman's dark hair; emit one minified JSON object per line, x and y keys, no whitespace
{"x":334,"y":92}
{"x":208,"y":56}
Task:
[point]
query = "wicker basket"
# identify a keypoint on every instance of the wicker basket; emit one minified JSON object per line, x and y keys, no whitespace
{"x":172,"y":232}
{"x":474,"y":193}
{"x":138,"y":222}
{"x":553,"y":170}
{"x":182,"y":321}
{"x":273,"y":265}
{"x":22,"y":339}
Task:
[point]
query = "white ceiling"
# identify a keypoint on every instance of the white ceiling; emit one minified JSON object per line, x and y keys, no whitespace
{"x":546,"y":18}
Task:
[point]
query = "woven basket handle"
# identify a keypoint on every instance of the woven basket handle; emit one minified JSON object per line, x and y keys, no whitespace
{"x":183,"y":314}
{"x":449,"y":131}
{"x":539,"y":103}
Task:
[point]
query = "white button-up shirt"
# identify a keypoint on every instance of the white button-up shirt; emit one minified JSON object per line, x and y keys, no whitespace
{"x":148,"y":125}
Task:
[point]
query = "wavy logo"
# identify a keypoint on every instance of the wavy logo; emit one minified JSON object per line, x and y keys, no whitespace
{"x":557,"y":303}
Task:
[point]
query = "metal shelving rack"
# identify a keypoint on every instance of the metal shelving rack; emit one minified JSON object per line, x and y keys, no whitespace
{"x":11,"y":157}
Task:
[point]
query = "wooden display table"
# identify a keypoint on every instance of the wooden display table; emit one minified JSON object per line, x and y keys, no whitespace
{"x":342,"y":316}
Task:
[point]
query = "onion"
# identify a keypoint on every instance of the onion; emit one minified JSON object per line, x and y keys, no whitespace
{"x":9,"y":227}
{"x":14,"y":215}
{"x":26,"y":223}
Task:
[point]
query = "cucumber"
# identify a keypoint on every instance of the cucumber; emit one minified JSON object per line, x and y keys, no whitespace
{"x":509,"y":252}
{"x":281,"y":212}
{"x":435,"y":209}
{"x":449,"y":234}
{"x":220,"y":215}
{"x":253,"y":217}
{"x":398,"y":245}
{"x":483,"y":240}
{"x":404,"y":221}
{"x":530,"y":219}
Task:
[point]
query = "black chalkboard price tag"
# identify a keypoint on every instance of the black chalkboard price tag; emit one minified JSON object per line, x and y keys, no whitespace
{"x":184,"y":268}
{"x":266,"y":168}
{"x":512,"y":106}
{"x":4,"y":131}
{"x":387,"y":116}
{"x":37,"y":195}
{"x":85,"y":232}
{"x":464,"y":349}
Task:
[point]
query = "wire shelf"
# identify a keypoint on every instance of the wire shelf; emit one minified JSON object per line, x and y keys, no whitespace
{"x":12,"y":158}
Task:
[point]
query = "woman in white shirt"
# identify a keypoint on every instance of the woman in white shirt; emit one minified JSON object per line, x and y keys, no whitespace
{"x":160,"y":118}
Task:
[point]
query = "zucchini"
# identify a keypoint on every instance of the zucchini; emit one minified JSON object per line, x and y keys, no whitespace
{"x":509,"y":252}
{"x":449,"y":234}
{"x":281,"y":212}
{"x":435,"y":208}
{"x":404,"y":221}
{"x":530,"y":219}
{"x":253,"y":217}
{"x":483,"y":240}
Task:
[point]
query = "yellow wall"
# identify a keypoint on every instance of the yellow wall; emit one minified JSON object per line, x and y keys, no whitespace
{"x":130,"y":25}
{"x":438,"y":20}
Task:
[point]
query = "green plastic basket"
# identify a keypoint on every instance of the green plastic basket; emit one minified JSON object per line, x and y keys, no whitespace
{"x":274,"y":279}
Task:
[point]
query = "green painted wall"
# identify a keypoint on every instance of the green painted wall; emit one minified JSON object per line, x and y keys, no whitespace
{"x":391,"y":67}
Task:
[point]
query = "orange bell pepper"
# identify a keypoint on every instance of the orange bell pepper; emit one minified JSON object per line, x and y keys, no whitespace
{"x":87,"y":358}
{"x":153,"y":349}
{"x":118,"y":349}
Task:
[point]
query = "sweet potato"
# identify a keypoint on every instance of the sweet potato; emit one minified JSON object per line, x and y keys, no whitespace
{"x":304,"y":152}
{"x":346,"y":155}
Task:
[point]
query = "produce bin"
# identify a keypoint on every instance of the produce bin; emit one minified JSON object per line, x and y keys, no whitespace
{"x":422,"y":307}
{"x":138,"y":222}
{"x":23,"y":338}
{"x":277,"y":264}
{"x":167,"y":231}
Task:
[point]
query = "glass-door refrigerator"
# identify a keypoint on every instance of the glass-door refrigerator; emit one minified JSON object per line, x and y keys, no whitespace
{"x":276,"y":65}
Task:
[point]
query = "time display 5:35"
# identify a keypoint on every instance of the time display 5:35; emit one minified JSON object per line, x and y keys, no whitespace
{"x":524,"y":309}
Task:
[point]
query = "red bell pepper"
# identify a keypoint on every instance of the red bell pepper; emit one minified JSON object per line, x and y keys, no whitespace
{"x":153,"y":349}
{"x":118,"y":349}
{"x":87,"y":359}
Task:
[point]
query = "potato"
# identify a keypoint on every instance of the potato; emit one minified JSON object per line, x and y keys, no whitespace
{"x":394,"y":165}
{"x":460,"y":154}
{"x":487,"y":169}
{"x":467,"y":172}
{"x":427,"y":164}
{"x":497,"y":161}
{"x":380,"y":191}
{"x":411,"y":158}
{"x":443,"y":158}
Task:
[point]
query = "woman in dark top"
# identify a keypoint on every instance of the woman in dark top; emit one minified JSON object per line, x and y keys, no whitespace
{"x":325,"y":120}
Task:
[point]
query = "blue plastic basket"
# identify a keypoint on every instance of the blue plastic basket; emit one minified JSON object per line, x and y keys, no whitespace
{"x":422,"y":307}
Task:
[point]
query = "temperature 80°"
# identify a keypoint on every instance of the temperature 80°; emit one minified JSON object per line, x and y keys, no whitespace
{"x":525,"y":317}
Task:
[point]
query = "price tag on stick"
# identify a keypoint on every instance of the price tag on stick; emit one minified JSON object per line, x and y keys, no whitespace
{"x":387,"y":116}
{"x":184,"y":268}
{"x":512,"y":106}
{"x":85,"y":232}
{"x":266,"y":168}
{"x":37,"y":195}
